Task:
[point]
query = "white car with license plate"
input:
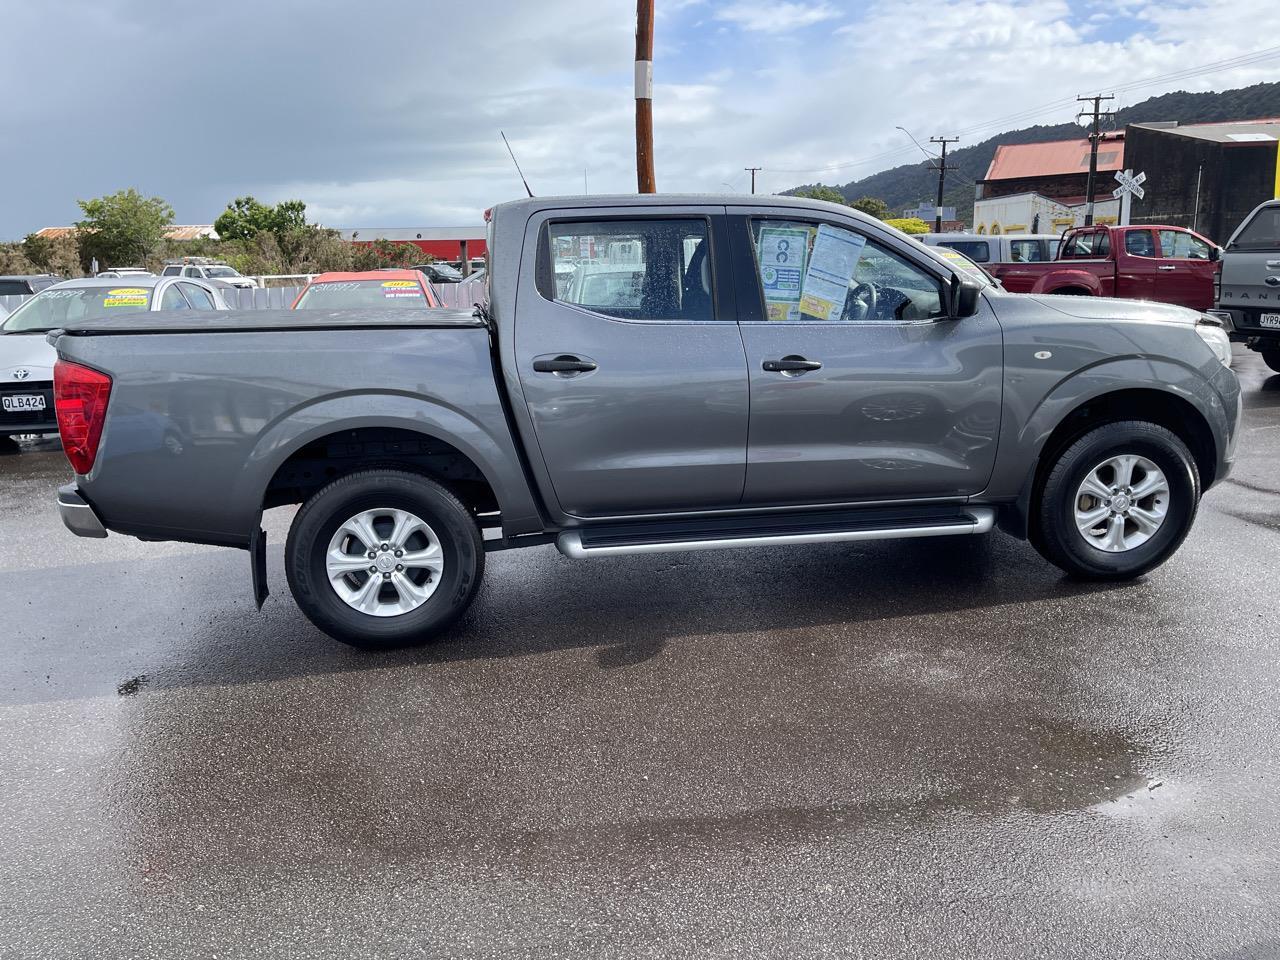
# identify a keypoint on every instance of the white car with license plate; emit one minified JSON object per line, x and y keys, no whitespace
{"x":26,"y":359}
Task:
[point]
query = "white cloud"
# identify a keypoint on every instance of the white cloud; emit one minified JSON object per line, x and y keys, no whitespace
{"x":775,"y":17}
{"x":392,"y":131}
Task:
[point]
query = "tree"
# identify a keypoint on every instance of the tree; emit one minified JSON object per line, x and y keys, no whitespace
{"x":822,"y":192}
{"x":60,"y":255}
{"x":387,"y":253}
{"x":245,"y":218}
{"x":123,"y":228}
{"x":908,"y":224}
{"x":871,"y":205}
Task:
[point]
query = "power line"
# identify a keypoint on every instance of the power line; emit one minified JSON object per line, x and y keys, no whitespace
{"x":1094,"y":137}
{"x":1243,"y":60}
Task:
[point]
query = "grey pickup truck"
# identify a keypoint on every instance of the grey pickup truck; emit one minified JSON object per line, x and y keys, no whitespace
{"x":1248,"y":286}
{"x":652,"y":373}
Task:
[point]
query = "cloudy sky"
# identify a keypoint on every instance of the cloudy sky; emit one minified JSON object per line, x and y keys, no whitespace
{"x":387,"y":112}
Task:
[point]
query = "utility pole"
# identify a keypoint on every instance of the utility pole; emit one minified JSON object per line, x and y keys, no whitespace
{"x":942,"y":178}
{"x":1094,"y":137}
{"x":644,"y":97}
{"x":753,"y":171}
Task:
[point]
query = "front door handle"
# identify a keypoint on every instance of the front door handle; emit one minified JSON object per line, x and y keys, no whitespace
{"x":792,"y":364}
{"x":1169,"y":267}
{"x":563,"y":364}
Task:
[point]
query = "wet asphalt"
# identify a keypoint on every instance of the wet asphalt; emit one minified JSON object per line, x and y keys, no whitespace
{"x":917,"y":749}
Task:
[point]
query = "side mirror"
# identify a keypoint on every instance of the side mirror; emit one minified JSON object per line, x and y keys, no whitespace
{"x":964,"y":299}
{"x":1215,"y":253}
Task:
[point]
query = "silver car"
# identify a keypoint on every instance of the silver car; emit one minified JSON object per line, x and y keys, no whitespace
{"x":26,"y":360}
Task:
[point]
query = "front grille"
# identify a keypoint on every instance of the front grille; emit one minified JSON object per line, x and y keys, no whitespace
{"x":24,"y":417}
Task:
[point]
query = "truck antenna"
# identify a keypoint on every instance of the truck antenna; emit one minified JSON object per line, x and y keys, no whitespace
{"x":517,"y":163}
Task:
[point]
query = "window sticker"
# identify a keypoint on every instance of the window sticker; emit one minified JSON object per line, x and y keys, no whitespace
{"x":126,"y":297}
{"x":830,"y":274}
{"x":782,"y":253}
{"x":399,"y":289}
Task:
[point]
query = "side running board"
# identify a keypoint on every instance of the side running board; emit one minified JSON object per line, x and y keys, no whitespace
{"x":773,"y":531}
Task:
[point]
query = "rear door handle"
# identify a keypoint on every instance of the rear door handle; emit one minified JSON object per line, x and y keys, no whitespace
{"x":1167,"y":268}
{"x":563,"y":364}
{"x":791,"y":364}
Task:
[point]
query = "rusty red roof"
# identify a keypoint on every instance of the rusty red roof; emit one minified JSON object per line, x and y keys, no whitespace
{"x":1019,"y":161}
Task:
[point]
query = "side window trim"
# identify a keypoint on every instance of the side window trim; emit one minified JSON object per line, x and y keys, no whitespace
{"x":722,"y":299}
{"x":744,"y":253}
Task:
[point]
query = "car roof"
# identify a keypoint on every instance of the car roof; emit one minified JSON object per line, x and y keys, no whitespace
{"x":135,"y":280}
{"x":27,"y":276}
{"x":390,"y":274}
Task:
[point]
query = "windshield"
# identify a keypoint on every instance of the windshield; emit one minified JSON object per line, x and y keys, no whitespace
{"x":1262,"y":232}
{"x":221,"y":272}
{"x":51,"y":308}
{"x":379,"y":294}
{"x":446,"y":271}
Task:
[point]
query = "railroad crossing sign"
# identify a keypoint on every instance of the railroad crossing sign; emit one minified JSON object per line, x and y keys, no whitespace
{"x":1130,"y":187}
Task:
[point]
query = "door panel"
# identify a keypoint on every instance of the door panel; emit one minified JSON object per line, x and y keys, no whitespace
{"x":660,"y":422}
{"x":1186,"y":272}
{"x":899,"y":409}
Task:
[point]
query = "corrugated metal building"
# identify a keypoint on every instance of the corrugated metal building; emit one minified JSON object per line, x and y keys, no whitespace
{"x":1206,"y":176}
{"x":203,"y":231}
{"x":443,"y":243}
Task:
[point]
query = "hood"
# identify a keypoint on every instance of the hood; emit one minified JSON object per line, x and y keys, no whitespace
{"x":26,"y":351}
{"x":1110,"y":308}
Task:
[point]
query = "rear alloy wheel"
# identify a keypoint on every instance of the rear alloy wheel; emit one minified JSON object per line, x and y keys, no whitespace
{"x":1118,"y":502}
{"x":383,"y":559}
{"x":1271,"y":357}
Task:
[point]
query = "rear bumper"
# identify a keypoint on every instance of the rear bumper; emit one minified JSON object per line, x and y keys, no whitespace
{"x":78,"y":516}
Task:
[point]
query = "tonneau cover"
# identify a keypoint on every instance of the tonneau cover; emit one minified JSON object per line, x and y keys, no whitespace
{"x":226,"y":321}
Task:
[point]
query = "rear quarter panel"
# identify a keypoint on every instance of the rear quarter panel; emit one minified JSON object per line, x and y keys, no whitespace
{"x":198,"y":423}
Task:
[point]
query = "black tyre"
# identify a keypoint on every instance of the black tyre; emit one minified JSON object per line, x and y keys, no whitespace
{"x":1118,"y":502}
{"x":383,"y":559}
{"x":1271,"y":357}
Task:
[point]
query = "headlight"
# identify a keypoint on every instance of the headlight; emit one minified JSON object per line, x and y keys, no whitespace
{"x":1217,"y":339}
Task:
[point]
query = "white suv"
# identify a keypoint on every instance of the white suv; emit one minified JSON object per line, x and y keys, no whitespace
{"x":216,"y":273}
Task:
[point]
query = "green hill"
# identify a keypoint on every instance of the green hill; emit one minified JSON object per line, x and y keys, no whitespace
{"x":906,"y":185}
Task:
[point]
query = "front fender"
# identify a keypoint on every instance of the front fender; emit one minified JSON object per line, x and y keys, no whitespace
{"x":488,"y":445}
{"x":1027,"y":428}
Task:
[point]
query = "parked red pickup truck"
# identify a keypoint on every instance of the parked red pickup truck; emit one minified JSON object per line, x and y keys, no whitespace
{"x":1149,"y":262}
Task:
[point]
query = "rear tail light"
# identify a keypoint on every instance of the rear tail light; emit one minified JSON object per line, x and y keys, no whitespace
{"x":80,"y":400}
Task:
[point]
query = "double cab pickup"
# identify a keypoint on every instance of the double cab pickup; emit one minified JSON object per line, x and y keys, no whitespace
{"x":649,"y":373}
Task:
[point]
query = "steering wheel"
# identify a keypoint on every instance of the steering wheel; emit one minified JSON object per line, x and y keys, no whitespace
{"x":860,"y":304}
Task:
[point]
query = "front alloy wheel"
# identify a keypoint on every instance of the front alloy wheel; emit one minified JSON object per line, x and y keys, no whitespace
{"x":1122,"y":503}
{"x":1117,"y":502}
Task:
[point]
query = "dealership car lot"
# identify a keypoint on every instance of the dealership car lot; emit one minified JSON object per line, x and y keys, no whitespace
{"x":909,"y":748}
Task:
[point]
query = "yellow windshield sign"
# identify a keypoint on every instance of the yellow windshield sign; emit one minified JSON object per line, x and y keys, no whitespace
{"x":400,"y":283}
{"x":126,"y":297}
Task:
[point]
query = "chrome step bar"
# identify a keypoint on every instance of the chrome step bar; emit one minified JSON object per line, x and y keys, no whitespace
{"x":979,"y":520}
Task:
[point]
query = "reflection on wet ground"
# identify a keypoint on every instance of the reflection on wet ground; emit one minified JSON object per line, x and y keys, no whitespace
{"x":929,"y":748}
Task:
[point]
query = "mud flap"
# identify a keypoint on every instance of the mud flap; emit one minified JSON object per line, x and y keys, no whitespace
{"x":258,"y":564}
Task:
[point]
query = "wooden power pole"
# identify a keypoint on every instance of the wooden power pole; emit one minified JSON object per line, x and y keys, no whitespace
{"x":644,"y":97}
{"x":753,"y":171}
{"x":1093,"y":151}
{"x":942,"y":178}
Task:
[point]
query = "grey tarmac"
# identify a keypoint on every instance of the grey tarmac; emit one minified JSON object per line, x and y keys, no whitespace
{"x":901,"y":749}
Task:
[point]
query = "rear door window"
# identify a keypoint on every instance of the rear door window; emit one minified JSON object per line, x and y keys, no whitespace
{"x":1140,"y":243}
{"x":172,"y":299}
{"x":1027,"y":251}
{"x":197,"y":296}
{"x":1087,"y":244}
{"x":631,"y":269}
{"x":14,"y":288}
